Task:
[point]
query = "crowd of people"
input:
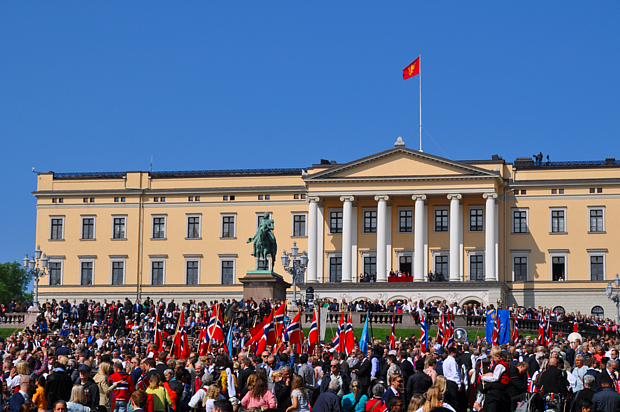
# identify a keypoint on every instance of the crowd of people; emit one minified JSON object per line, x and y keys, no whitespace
{"x":102,"y":356}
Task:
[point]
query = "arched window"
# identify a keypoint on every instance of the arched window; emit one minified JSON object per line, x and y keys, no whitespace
{"x":471,"y":302}
{"x":598,"y":311}
{"x":558,"y":309}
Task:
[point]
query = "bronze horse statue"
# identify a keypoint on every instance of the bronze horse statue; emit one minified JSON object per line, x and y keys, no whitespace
{"x":265,"y":241}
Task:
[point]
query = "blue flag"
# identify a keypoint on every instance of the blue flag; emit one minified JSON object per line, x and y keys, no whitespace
{"x":229,"y":341}
{"x":504,"y":325}
{"x":365,"y":338}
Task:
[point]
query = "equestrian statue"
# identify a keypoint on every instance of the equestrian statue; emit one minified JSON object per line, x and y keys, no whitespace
{"x":265,"y":241}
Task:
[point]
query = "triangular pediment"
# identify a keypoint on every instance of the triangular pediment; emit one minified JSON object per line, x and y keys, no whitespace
{"x":401,"y":163}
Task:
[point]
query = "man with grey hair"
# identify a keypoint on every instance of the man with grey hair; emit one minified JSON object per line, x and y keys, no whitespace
{"x":329,"y":401}
{"x":197,"y":398}
{"x":282,"y":388}
{"x":585,"y":394}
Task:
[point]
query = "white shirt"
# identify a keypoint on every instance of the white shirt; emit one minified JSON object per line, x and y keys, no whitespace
{"x":497,"y":372}
{"x":451,"y":370}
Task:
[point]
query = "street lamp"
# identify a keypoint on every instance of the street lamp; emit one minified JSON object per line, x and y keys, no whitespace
{"x":614,"y":297}
{"x":294,"y":270}
{"x":37,"y":266}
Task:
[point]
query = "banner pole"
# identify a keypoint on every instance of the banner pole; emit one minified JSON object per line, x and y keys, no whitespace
{"x":420,"y":75}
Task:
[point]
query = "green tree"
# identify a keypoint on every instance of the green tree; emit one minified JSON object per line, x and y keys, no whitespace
{"x":14,"y":280}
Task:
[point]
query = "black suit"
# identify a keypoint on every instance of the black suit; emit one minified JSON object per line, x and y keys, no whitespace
{"x":243,"y":377}
{"x":465,"y":359}
{"x":407,"y":369}
{"x":58,"y":387}
{"x":363,"y":373}
{"x":552,"y":381}
{"x":417,"y":384}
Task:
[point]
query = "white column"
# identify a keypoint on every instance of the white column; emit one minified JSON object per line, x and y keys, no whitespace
{"x":313,"y":208}
{"x":455,"y":223}
{"x":418,"y":239}
{"x":346,"y":237}
{"x":388,"y":239}
{"x":381,"y":237}
{"x":320,"y":225}
{"x":354,"y":271}
{"x":489,"y":237}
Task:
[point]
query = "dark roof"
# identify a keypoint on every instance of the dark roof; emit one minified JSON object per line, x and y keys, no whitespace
{"x":185,"y":173}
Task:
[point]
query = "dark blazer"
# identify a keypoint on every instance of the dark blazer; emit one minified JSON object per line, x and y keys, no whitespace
{"x":389,"y":393}
{"x":417,"y":384}
{"x":407,"y":369}
{"x":585,"y":394}
{"x":552,"y":381}
{"x":58,"y":387}
{"x":327,"y":402}
{"x":606,"y":400}
{"x":518,"y":383}
{"x":243,"y":377}
{"x":63,"y":350}
{"x":363,"y":372}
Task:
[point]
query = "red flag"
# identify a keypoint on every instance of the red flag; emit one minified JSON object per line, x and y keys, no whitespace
{"x":392,"y":333}
{"x":279,"y":319}
{"x":339,"y":338}
{"x":515,"y":330}
{"x":495,"y":337}
{"x":412,"y":70}
{"x":181,"y":346}
{"x":575,"y":326}
{"x":349,"y":338}
{"x":263,"y":340}
{"x":313,"y":336}
{"x":214,"y":330}
{"x":293,"y":333}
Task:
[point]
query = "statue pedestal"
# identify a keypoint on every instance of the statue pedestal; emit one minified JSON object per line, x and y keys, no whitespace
{"x":259,"y":284}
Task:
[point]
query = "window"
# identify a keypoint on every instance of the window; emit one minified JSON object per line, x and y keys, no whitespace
{"x":232,"y":197}
{"x":335,"y":269}
{"x":558,"y":220}
{"x":88,"y":228}
{"x":554,"y":191}
{"x":476,"y":267}
{"x":118,"y":272}
{"x":197,"y":198}
{"x":597,"y":221}
{"x":55,"y":270}
{"x":226,"y":197}
{"x":228,"y":226}
{"x":190,"y":198}
{"x":228,"y":272}
{"x":516,"y":192}
{"x":335,"y":222}
{"x":370,"y":221}
{"x":561,"y":191}
{"x":523,"y":192}
{"x":404,"y":264}
{"x":476,"y":219}
{"x":122,"y":199}
{"x":296,"y":196}
{"x":157,"y":272}
{"x":267,"y":197}
{"x":116,"y":199}
{"x":599,"y":190}
{"x":299,"y":225}
{"x":54,"y":200}
{"x":519,"y":221}
{"x":598,"y":311}
{"x":260,"y":197}
{"x":191,"y":276}
{"x":370,"y":265}
{"x":162,"y":199}
{"x":405,"y":221}
{"x":56,"y":228}
{"x":159,"y":227}
{"x":86,"y":199}
{"x":519,"y":268}
{"x":118,"y":229}
{"x":441,"y":220}
{"x":193,"y":226}
{"x":558,"y":268}
{"x":303,"y":196}
{"x":61,"y":200}
{"x":441,"y":265}
{"x":597,"y":267}
{"x":92,"y":200}
{"x":592,"y":190}
{"x":86,"y":273}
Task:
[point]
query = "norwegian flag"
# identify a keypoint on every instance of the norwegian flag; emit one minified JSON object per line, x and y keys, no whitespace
{"x":392,"y":334}
{"x":424,"y":335}
{"x":215,"y":329}
{"x":267,"y":327}
{"x":313,"y":336}
{"x":349,"y":338}
{"x":541,"y":330}
{"x":181,"y":345}
{"x":293,"y":333}
{"x":515,"y":330}
{"x":338,"y":340}
{"x":531,"y":383}
{"x":279,"y":319}
{"x":143,"y":382}
{"x":203,"y":342}
{"x":575,"y":326}
{"x":495,"y":337}
{"x":450,"y":330}
{"x":549,"y":331}
{"x":440,"y":325}
{"x":257,"y":331}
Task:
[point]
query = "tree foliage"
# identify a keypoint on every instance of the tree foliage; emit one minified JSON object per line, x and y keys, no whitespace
{"x":14,"y":281}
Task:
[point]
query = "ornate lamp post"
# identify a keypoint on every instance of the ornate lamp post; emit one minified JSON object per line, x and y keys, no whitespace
{"x":615,"y":297}
{"x":36,"y":266}
{"x":295,"y":270}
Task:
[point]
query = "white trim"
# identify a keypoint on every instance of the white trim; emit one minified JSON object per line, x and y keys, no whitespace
{"x":94,"y":218}
{"x":234,"y":216}
{"x":329,"y":220}
{"x":597,"y":253}
{"x":159,"y":216}
{"x":192,"y":258}
{"x":558,"y":209}
{"x":596,"y":208}
{"x":293,"y":214}
{"x":521,"y":254}
{"x":227,"y":258}
{"x":86,"y":260}
{"x":124,"y":225}
{"x":157,"y":259}
{"x":476,"y":207}
{"x":527,"y":219}
{"x":62,"y":268}
{"x":558,"y":253}
{"x":62,"y":235}
{"x":476,"y":252}
{"x":404,"y":209}
{"x":199,"y":216}
{"x":447,"y":209}
{"x":370,"y":209}
{"x":118,"y":259}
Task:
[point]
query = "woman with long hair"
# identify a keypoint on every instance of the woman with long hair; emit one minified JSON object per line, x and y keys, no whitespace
{"x":78,"y":400}
{"x":299,"y":396}
{"x":160,"y":394}
{"x":259,"y":396}
{"x":354,"y":401}
{"x":434,"y":400}
{"x":212,"y":394}
{"x":249,"y":385}
{"x":101,"y":379}
{"x":442,"y":383}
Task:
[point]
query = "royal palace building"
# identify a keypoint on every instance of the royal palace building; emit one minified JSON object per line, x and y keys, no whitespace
{"x":528,"y":232}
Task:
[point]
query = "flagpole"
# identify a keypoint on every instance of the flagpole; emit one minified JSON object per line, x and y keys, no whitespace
{"x":420,"y":68}
{"x":175,"y":334}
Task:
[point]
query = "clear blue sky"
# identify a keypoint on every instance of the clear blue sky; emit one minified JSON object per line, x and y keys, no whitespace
{"x":102,"y":86}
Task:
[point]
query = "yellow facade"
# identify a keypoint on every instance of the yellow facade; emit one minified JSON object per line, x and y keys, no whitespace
{"x":568,"y":213}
